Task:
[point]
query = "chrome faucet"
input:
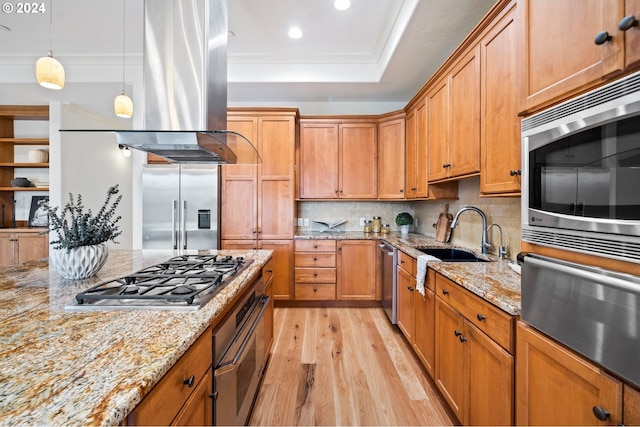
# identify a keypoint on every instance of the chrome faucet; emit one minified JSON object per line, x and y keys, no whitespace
{"x":503,"y":251}
{"x":484,"y":246}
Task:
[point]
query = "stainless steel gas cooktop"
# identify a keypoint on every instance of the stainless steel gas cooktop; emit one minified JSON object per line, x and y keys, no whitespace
{"x":184,"y":282}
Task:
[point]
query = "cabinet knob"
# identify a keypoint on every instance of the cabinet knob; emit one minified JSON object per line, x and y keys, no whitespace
{"x":627,"y":23}
{"x":445,"y":292}
{"x":315,"y":274}
{"x":446,"y":165}
{"x":402,"y":190}
{"x":189,"y":381}
{"x":255,"y":231}
{"x":315,"y":289}
{"x":457,"y":333}
{"x":336,"y":191}
{"x":480,"y":317}
{"x":462,"y":339}
{"x":600,"y":413}
{"x":410,"y":288}
{"x":602,"y":38}
{"x":315,"y":246}
{"x":414,"y":189}
{"x":515,"y":172}
{"x":315,"y":258}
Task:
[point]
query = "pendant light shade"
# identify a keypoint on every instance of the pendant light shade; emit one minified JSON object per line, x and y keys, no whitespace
{"x":50,"y":72}
{"x":123,"y":106}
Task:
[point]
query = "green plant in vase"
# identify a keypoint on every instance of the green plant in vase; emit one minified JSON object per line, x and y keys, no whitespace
{"x":404,"y":220}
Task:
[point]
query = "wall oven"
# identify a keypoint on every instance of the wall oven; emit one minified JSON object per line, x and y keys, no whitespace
{"x":581,"y":173}
{"x":239,"y":359}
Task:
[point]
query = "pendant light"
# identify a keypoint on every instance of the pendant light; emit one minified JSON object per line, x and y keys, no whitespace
{"x":123,"y":105}
{"x":50,"y":72}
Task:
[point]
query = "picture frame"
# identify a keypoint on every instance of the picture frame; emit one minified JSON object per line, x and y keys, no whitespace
{"x":37,"y":215}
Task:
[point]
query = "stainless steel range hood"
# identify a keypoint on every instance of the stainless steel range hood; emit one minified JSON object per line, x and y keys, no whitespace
{"x":185,"y":85}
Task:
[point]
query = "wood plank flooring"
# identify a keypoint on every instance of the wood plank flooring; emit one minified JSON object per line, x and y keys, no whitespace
{"x":344,"y":366}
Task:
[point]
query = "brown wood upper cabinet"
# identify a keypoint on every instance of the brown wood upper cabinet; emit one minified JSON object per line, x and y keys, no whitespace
{"x":391,"y":152}
{"x":416,"y":152}
{"x":338,"y":159}
{"x":453,"y":120}
{"x":561,"y":59}
{"x":500,"y":129}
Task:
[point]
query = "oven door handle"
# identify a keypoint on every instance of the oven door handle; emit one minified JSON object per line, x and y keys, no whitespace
{"x":230,"y":362}
{"x":585,"y":272}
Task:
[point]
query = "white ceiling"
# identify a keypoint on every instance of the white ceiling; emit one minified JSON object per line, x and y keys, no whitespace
{"x":376,"y":51}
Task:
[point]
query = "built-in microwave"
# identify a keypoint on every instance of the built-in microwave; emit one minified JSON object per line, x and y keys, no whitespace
{"x":581,"y":173}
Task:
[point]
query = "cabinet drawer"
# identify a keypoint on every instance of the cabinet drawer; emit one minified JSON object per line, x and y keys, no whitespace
{"x":407,"y":262}
{"x":487,"y":317}
{"x":311,"y":259}
{"x":315,"y":291}
{"x":315,"y":245}
{"x":163,"y":403}
{"x":315,"y":275}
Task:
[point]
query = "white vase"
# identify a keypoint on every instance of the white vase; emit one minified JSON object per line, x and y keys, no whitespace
{"x":80,"y":262}
{"x":404,"y":229}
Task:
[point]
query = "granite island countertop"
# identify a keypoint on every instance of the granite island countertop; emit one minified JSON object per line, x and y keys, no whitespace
{"x":493,"y":281}
{"x":62,"y":367}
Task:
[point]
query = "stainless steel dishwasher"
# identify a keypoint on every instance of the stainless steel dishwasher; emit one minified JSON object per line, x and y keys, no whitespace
{"x":389,"y":284}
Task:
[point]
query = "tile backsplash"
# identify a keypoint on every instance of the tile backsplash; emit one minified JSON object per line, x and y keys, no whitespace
{"x":504,"y":211}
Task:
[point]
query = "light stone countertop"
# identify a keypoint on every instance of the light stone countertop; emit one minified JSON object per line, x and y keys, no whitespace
{"x":62,"y":367}
{"x":493,"y":281}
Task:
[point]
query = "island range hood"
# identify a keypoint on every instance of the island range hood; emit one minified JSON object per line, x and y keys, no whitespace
{"x":185,"y":85}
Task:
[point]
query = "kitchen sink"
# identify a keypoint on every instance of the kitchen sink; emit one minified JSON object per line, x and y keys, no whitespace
{"x":453,"y":255}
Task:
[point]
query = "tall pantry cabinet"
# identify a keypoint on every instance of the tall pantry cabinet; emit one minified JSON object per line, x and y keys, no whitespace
{"x":258,"y":205}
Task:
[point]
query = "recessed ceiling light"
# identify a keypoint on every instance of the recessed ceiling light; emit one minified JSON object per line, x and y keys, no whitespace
{"x":295,"y":32}
{"x":342,"y":4}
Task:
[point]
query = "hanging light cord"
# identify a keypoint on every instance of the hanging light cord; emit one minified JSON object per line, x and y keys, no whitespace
{"x":124,"y":27}
{"x":51,"y":28}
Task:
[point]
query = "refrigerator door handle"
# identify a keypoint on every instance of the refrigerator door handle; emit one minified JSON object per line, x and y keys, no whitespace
{"x":183,"y":229}
{"x":174,"y":235}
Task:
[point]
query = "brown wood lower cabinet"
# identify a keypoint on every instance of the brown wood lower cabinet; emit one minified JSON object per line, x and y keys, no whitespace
{"x":20,"y":245}
{"x":406,"y":283}
{"x":558,"y":387}
{"x":474,"y":373}
{"x":173,"y":400}
{"x":356,"y":270}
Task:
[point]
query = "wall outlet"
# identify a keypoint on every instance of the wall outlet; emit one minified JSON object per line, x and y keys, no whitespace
{"x":361,"y":221}
{"x":300,"y":222}
{"x":306,"y":222}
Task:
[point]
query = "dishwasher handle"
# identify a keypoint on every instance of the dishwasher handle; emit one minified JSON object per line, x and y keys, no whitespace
{"x":230,"y":360}
{"x":388,"y":248}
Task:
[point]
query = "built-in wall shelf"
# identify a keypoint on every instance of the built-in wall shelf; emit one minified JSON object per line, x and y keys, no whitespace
{"x":25,"y":141}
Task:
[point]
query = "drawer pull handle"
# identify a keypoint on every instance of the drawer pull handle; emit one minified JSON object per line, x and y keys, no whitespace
{"x":410,"y":288}
{"x":315,"y":246}
{"x":315,"y":274}
{"x":445,"y":292}
{"x":315,"y":258}
{"x":602,"y":38}
{"x":462,"y":339}
{"x":189,"y":381}
{"x":480,"y":317}
{"x":600,"y":413}
{"x":457,"y":333}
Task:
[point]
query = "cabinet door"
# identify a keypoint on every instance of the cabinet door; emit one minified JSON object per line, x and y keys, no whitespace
{"x":422,"y":190}
{"x":391,"y":159}
{"x":358,"y":159}
{"x":561,"y":59}
{"x":276,"y":207}
{"x":500,"y":124}
{"x":490,"y":381}
{"x":424,"y":330}
{"x":438,"y":131}
{"x":282,"y":261}
{"x":318,"y":161}
{"x":632,"y":35}
{"x":406,"y":287}
{"x":8,"y":244}
{"x":356,"y":270}
{"x":631,"y":406}
{"x":32,"y":246}
{"x":411,"y":155}
{"x":450,"y":357}
{"x":198,"y":410}
{"x":464,"y":142}
{"x":239,"y":201}
{"x":556,"y":386}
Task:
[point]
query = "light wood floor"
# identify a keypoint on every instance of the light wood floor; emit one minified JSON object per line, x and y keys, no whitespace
{"x":343,"y":366}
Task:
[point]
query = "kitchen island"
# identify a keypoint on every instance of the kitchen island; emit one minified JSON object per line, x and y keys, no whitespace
{"x":60,"y":367}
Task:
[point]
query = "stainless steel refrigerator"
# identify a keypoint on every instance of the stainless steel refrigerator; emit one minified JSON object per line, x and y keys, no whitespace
{"x":180,"y":206}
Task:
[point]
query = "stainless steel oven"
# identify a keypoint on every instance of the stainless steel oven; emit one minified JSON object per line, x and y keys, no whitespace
{"x":581,"y":168}
{"x":594,"y":311}
{"x":239,"y":360}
